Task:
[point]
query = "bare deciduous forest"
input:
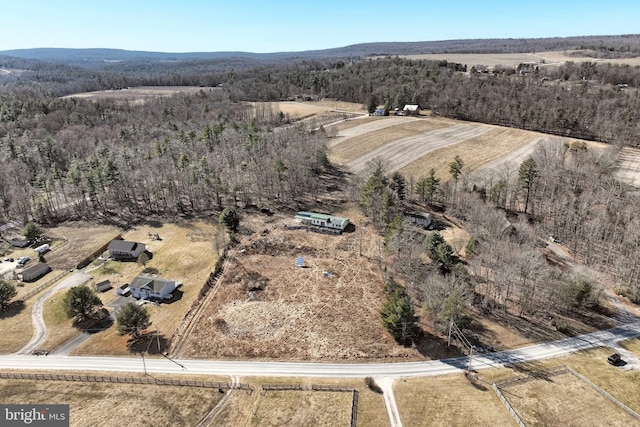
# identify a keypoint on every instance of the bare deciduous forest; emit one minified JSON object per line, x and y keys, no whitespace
{"x":68,"y":158}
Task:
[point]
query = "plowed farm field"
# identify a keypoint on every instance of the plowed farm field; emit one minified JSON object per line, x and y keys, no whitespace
{"x":415,"y":145}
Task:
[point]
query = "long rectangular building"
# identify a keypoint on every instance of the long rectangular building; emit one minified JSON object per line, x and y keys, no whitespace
{"x":322,"y":220}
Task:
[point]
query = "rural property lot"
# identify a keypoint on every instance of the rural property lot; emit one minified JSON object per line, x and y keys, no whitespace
{"x":302,"y":408}
{"x":138,"y":95}
{"x":266,"y":307}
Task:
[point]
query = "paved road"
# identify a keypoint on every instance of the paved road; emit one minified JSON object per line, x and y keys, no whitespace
{"x":40,"y":329}
{"x":337,"y":370}
{"x":384,"y":373}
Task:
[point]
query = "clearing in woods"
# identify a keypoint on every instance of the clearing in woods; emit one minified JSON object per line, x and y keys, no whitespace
{"x":628,"y":166}
{"x":266,"y":307}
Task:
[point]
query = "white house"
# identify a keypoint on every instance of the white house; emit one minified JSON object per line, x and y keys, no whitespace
{"x":411,"y":110}
{"x":322,"y":220}
{"x":143,"y":287}
{"x":123,"y":249}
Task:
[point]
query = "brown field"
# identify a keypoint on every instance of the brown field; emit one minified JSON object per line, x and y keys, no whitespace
{"x":297,"y":110}
{"x":451,"y":400}
{"x":513,"y":59}
{"x":402,"y":152}
{"x":475,"y":152}
{"x":358,"y":141}
{"x":101,"y":404}
{"x":302,"y":408}
{"x":300,"y":314}
{"x":138,"y":95}
{"x":353,"y":128}
{"x":285,"y":407}
{"x":187,"y":253}
{"x":83,"y":238}
{"x":17,"y":329}
{"x":628,"y":166}
{"x":564,"y":400}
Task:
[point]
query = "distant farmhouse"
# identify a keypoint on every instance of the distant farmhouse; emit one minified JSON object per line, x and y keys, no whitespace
{"x":321,"y":220}
{"x":125,"y":250}
{"x":411,"y":110}
{"x":34,"y":272}
{"x":152,"y":288}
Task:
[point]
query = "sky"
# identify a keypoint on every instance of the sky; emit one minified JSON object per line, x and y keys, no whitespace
{"x":263,"y":26}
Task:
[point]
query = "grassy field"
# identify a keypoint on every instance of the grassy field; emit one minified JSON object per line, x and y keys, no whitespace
{"x":475,"y":152}
{"x":449,"y":401}
{"x":16,"y":327}
{"x":302,"y":408}
{"x":358,"y":146}
{"x":83,"y":238}
{"x":564,"y":400}
{"x":101,"y":404}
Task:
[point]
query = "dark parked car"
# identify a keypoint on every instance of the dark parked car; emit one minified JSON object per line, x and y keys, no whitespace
{"x":614,"y":359}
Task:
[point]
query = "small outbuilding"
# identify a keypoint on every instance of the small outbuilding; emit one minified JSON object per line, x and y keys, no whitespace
{"x":143,"y":287}
{"x":19,"y":242}
{"x":103,"y":286}
{"x":411,"y":110}
{"x":34,"y":272}
{"x":125,"y":250}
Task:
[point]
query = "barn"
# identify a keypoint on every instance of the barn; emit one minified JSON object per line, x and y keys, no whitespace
{"x":34,"y":272}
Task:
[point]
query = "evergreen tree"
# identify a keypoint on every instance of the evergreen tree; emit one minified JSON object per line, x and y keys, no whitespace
{"x":132,"y":319}
{"x":80,"y":302}
{"x":397,"y":315}
{"x":527,"y":175}
{"x":7,"y":292}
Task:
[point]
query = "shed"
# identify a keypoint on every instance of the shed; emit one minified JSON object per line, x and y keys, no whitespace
{"x":34,"y":272}
{"x":19,"y":242}
{"x":125,"y":250}
{"x":103,"y":286}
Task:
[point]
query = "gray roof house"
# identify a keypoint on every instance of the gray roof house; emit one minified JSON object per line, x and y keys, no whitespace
{"x":123,"y":249}
{"x":143,"y":287}
{"x":34,"y":272}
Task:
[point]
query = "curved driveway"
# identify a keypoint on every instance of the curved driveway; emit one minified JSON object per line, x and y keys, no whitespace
{"x":40,"y":329}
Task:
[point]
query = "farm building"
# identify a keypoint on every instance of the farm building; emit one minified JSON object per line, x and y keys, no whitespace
{"x":421,"y":219}
{"x":411,"y":110}
{"x":19,"y":242}
{"x":34,"y":272}
{"x":125,"y":250}
{"x":143,"y":287}
{"x":103,"y":286}
{"x":322,"y":220}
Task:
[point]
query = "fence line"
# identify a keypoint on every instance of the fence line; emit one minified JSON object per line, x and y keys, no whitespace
{"x":122,"y":380}
{"x":506,"y":403}
{"x":354,"y":408}
{"x":604,"y":393}
{"x":45,"y":285}
{"x":533,"y":376}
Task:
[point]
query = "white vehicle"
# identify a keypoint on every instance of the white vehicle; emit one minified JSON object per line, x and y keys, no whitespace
{"x":42,"y":249}
{"x":23,"y":260}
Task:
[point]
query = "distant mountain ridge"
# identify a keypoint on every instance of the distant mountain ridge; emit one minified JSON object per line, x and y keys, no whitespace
{"x":617,"y":43}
